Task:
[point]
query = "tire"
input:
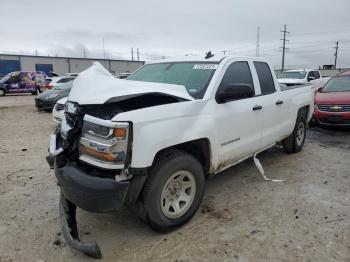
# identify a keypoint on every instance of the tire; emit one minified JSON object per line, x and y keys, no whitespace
{"x":294,"y":143}
{"x":37,"y":91}
{"x":173,"y":191}
{"x":2,"y":92}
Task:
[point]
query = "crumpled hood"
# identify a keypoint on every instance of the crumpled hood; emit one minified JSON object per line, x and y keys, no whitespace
{"x":96,"y":85}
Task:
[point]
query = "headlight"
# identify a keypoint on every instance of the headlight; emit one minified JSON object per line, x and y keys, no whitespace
{"x":51,"y":96}
{"x":104,"y":143}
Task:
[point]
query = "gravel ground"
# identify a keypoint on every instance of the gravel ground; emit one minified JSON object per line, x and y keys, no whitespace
{"x":242,"y":217}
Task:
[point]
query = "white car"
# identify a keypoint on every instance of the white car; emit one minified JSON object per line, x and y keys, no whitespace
{"x":152,"y":140}
{"x":55,"y":81}
{"x":58,"y":110}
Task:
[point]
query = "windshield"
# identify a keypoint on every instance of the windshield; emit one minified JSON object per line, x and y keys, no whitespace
{"x":64,"y":86}
{"x":65,"y":80}
{"x":195,"y":76}
{"x":294,"y":75}
{"x":337,"y":84}
{"x":6,"y":77}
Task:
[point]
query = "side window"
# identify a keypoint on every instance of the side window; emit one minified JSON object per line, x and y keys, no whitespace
{"x":14,"y":79}
{"x":316,"y":74}
{"x":267,"y":84}
{"x":237,"y":73}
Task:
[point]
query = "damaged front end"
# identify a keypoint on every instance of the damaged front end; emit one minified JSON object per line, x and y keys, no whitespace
{"x":91,"y":156}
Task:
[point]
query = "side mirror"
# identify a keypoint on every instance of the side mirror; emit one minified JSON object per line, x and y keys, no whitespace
{"x":234,"y":92}
{"x":320,"y":89}
{"x":309,"y":78}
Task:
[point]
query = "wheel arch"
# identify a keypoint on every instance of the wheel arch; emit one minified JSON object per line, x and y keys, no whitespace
{"x":199,"y":148}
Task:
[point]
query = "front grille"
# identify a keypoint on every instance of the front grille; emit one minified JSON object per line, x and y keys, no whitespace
{"x":334,"y":108}
{"x":59,"y":107}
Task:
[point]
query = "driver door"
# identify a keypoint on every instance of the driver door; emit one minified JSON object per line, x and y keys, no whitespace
{"x":239,"y":122}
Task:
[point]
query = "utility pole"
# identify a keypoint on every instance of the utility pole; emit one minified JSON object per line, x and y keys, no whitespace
{"x":285,"y":32}
{"x":132,"y":54}
{"x":138,"y":55}
{"x":257,"y":41}
{"x":84,"y":53}
{"x":36,"y":52}
{"x":104,"y":51}
{"x":224,"y":51}
{"x":336,"y":54}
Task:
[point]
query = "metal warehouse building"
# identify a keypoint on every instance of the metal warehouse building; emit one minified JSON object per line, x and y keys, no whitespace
{"x":61,"y":65}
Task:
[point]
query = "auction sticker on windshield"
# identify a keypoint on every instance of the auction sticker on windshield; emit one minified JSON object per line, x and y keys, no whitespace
{"x":205,"y":66}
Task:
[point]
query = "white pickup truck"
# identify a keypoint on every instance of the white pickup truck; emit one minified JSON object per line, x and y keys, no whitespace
{"x":150,"y":141}
{"x":302,"y":77}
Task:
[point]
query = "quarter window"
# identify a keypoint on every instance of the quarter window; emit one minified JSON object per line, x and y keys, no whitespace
{"x":267,"y":84}
{"x":237,"y":73}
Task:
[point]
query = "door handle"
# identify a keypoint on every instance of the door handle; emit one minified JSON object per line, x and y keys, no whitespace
{"x":257,"y":107}
{"x":279,"y":102}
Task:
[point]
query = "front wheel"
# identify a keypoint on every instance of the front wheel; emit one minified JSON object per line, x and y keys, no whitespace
{"x":294,"y":143}
{"x":173,"y":191}
{"x":2,"y":92}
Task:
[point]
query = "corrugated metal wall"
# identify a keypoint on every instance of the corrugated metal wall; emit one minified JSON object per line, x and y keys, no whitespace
{"x":61,"y":65}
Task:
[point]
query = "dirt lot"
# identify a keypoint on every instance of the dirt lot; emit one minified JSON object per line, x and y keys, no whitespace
{"x":242,"y":218}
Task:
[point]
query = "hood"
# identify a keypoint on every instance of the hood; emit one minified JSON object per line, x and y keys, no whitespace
{"x":97,"y":86}
{"x":332,"y":98}
{"x":291,"y":81}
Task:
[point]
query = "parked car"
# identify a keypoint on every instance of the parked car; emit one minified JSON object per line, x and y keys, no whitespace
{"x":150,"y":141}
{"x":302,"y":77}
{"x":332,"y":102}
{"x":58,"y":110}
{"x":48,"y":99}
{"x":22,"y":82}
{"x":53,"y":82}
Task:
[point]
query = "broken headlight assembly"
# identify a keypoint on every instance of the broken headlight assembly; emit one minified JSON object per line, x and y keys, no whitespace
{"x":104,"y":143}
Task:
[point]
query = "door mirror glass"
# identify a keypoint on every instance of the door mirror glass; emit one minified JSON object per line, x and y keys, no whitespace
{"x":234,"y":92}
{"x":310,"y":78}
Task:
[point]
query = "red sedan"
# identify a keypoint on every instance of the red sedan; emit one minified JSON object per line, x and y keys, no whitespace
{"x":332,"y":102}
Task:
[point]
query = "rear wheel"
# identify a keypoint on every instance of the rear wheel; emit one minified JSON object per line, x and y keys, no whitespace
{"x":37,"y":91}
{"x":294,"y":143}
{"x":2,"y":92}
{"x":173,"y":191}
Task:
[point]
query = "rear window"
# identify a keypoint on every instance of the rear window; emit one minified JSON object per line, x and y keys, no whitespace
{"x":65,"y":80}
{"x":267,"y":84}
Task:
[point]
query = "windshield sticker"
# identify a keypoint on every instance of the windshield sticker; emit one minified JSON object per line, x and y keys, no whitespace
{"x":205,"y":66}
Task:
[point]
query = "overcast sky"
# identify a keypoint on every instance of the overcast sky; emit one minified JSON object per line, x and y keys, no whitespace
{"x":169,"y":28}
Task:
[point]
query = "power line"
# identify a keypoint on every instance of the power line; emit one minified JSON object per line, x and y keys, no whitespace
{"x":285,"y":32}
{"x":336,"y":54}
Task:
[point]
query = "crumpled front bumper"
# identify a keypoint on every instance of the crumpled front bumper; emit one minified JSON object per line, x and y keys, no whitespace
{"x":79,"y":188}
{"x":91,"y":193}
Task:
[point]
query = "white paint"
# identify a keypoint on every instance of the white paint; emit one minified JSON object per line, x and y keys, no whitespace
{"x":233,"y":129}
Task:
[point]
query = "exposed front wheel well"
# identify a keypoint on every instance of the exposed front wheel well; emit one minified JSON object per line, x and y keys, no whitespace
{"x":304,"y":112}
{"x":199,"y":148}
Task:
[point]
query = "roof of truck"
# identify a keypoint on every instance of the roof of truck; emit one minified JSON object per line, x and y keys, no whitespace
{"x":200,"y":58}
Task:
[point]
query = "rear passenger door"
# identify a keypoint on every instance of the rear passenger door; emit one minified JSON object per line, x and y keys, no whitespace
{"x":239,"y":122}
{"x":275,"y":107}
